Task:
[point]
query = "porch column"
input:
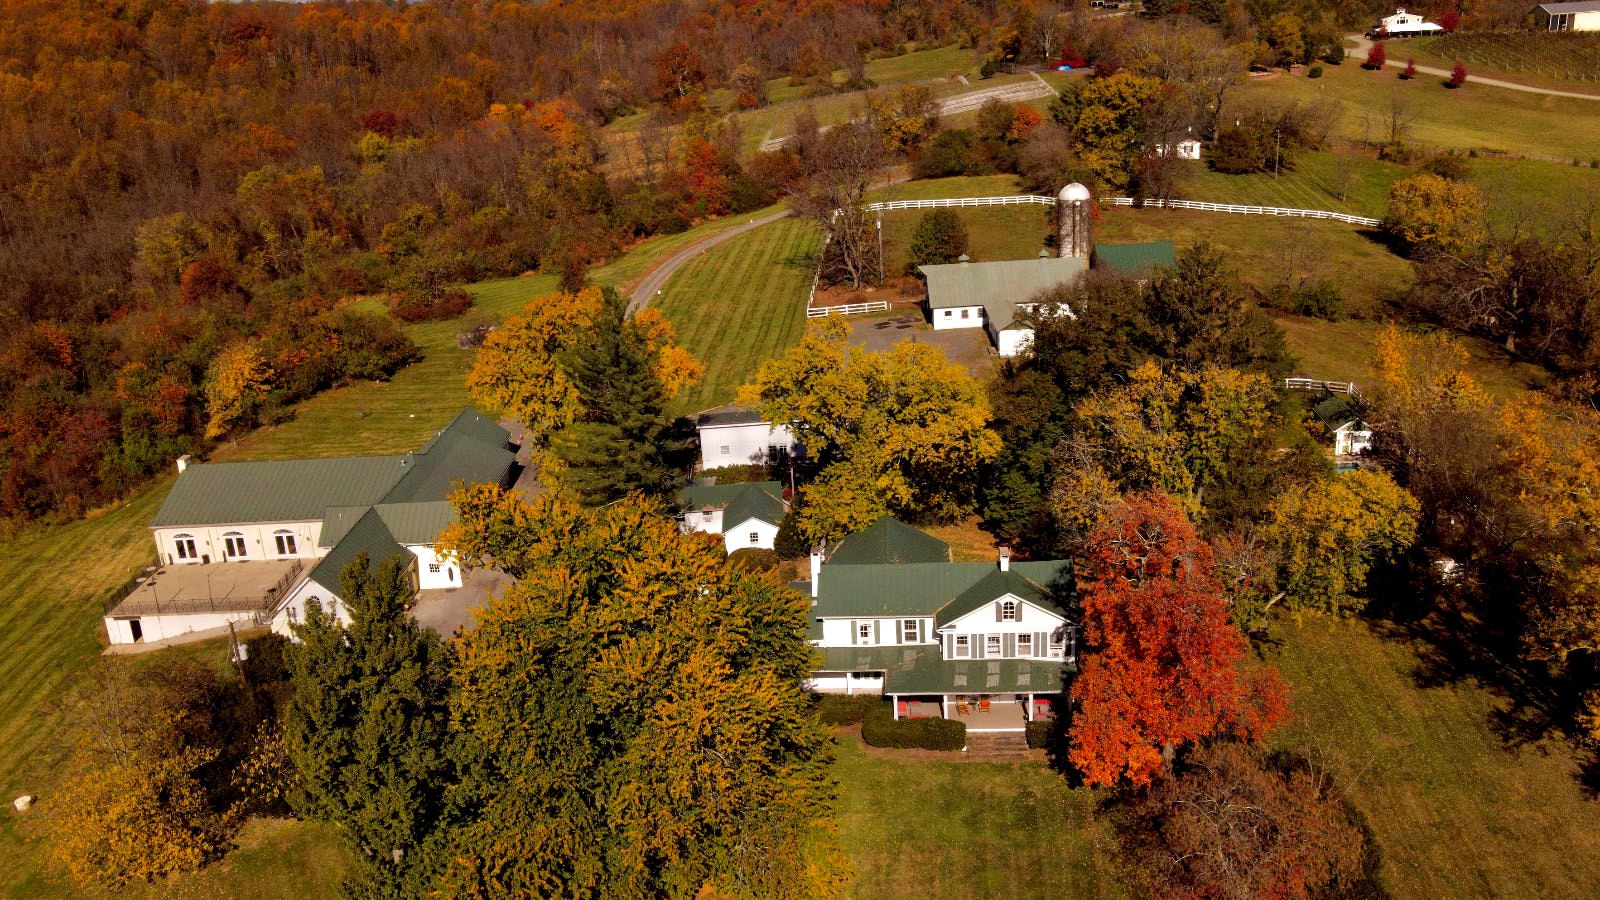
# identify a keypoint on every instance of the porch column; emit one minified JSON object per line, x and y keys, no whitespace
{"x":1027,"y":714}
{"x":894,"y":705}
{"x":944,"y":706}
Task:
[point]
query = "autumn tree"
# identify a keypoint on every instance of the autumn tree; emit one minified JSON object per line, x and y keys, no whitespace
{"x":235,"y":387}
{"x":903,"y":430}
{"x":1162,"y":666}
{"x":906,"y":117}
{"x":1377,"y":57}
{"x":680,"y":76}
{"x":366,"y":726}
{"x":1235,"y":821}
{"x":1329,"y":533}
{"x":620,"y":441}
{"x":1433,"y":213}
{"x":940,"y":237}
{"x":1106,"y":117}
{"x":844,"y":163}
{"x":632,"y":715}
{"x":1458,"y":74}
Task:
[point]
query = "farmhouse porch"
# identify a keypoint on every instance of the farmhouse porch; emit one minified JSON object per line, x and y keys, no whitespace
{"x":979,"y":712}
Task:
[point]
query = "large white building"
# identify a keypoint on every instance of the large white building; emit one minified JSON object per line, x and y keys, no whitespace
{"x":251,"y":543}
{"x":1404,"y":24}
{"x":983,"y":643}
{"x":1583,"y":16}
{"x":995,"y":296}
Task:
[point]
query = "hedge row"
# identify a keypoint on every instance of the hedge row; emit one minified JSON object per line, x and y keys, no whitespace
{"x":1039,"y":734}
{"x":880,"y":729}
{"x":837,"y":709}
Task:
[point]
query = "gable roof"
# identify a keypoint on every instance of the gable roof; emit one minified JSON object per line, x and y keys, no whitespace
{"x":410,"y":523}
{"x":1559,"y":8}
{"x":998,"y":286}
{"x":889,"y":540}
{"x":1337,"y":410}
{"x":472,"y":448}
{"x":739,"y":501}
{"x":992,"y":587}
{"x":1136,"y":260}
{"x":368,"y":535}
{"x":723,"y":416}
{"x":918,"y":589}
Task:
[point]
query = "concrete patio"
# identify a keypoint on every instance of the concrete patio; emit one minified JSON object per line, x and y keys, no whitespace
{"x":449,"y":610}
{"x":211,"y":588}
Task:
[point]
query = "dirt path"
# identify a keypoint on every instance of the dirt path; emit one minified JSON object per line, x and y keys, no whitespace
{"x":1363,"y":45}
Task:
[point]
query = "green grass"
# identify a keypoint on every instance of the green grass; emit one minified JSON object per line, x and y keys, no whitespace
{"x":1475,"y":117}
{"x":1343,"y":351}
{"x":739,"y":303}
{"x":993,"y":233}
{"x":1267,"y":250}
{"x":1340,"y":182}
{"x":918,"y":827}
{"x":1457,"y":812}
{"x":939,"y":188}
{"x":1551,"y":58}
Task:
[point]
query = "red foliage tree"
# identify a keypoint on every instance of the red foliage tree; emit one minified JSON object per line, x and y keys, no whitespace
{"x":1377,"y":57}
{"x":381,"y":121}
{"x":680,"y":75}
{"x":1411,"y":70}
{"x":1163,"y":665}
{"x":1450,"y":21}
{"x":1458,"y":75}
{"x":706,"y":173}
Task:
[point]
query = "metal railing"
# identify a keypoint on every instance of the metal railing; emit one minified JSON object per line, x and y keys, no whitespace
{"x":261,"y":604}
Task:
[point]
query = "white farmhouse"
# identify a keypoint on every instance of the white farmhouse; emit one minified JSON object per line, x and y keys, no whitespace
{"x":984,"y":643}
{"x":251,"y":543}
{"x":1583,"y":16}
{"x":1404,"y":24}
{"x":731,"y":436}
{"x":746,"y":515}
{"x":1341,"y":415}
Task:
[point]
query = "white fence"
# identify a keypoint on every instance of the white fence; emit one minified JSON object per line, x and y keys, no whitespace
{"x":1248,"y":210}
{"x":847,"y":309}
{"x":960,"y":201}
{"x":1319,"y":386}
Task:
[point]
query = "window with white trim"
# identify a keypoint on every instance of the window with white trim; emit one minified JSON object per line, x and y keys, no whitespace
{"x":184,"y":545}
{"x":948,"y":313}
{"x":284,"y":541}
{"x":233,"y":545}
{"x":705,"y":514}
{"x":963,"y":646}
{"x":725,"y":449}
{"x":1008,"y":610}
{"x":991,"y":645}
{"x":1024,"y":644}
{"x":1058,"y":641}
{"x":966,"y":314}
{"x":755,"y":538}
{"x":864,"y":632}
{"x":909,"y":631}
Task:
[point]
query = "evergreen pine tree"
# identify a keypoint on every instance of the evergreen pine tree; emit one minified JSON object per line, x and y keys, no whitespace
{"x":367,"y":727}
{"x":623,"y":440}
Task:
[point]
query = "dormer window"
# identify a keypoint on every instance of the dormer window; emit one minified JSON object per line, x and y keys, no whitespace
{"x":1008,"y":610}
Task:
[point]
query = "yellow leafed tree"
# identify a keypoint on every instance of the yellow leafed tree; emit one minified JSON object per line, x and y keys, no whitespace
{"x":235,"y":385}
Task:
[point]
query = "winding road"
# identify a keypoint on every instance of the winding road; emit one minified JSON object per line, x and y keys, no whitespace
{"x":1363,"y":45}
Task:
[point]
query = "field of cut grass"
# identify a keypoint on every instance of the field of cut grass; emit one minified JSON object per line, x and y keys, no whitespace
{"x":1552,"y":59}
{"x":1341,"y":182}
{"x":1268,"y":251}
{"x":918,"y":827}
{"x":993,"y":233}
{"x":1343,"y":351}
{"x":739,"y":303}
{"x":1475,"y":117}
{"x":1456,"y":811}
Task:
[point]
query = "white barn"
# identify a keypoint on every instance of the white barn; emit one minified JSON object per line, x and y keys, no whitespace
{"x":1404,"y":24}
{"x":251,"y":543}
{"x":995,"y":295}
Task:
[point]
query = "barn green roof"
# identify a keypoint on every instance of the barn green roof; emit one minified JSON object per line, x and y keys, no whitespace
{"x":889,"y":540}
{"x":998,"y":286}
{"x":370,"y":536}
{"x":923,"y":589}
{"x":1136,"y":260}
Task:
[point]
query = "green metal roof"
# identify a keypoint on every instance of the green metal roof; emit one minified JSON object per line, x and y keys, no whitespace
{"x":995,"y":585}
{"x":998,"y":286}
{"x":739,"y":502}
{"x":470,"y":449}
{"x":1136,"y":260}
{"x":368,"y":535}
{"x":294,"y":490}
{"x":922,"y":670}
{"x":889,"y":540}
{"x":727,"y":415}
{"x":918,"y":589}
{"x":1337,"y":410}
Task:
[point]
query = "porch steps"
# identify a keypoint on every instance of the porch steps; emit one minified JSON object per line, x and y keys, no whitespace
{"x":1000,"y":745}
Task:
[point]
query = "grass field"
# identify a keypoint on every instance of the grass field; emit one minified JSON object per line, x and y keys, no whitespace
{"x":1352,"y":183}
{"x":1457,"y":813}
{"x":1343,"y":351}
{"x":739,"y":303}
{"x":915,"y":827}
{"x":993,"y":233}
{"x":1475,"y":117}
{"x":1552,"y":59}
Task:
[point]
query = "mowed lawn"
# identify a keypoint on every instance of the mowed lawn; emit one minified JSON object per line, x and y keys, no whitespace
{"x":1457,"y":812}
{"x":1344,"y":182}
{"x":1344,"y":351}
{"x":993,"y":233}
{"x":916,"y":827}
{"x":739,"y":303}
{"x":1475,"y":117}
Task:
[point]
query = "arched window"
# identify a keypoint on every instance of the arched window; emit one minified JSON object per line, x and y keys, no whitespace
{"x":1008,"y":610}
{"x":284,"y":539}
{"x":185,"y":547}
{"x":233,"y":545}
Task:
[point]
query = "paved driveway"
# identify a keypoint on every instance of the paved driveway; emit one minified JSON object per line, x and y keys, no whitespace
{"x":446,"y":611}
{"x":968,"y":346}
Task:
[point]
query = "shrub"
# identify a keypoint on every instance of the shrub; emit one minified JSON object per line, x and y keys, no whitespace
{"x":951,"y":153}
{"x":432,"y":306}
{"x":1239,"y":149}
{"x":1314,"y":72}
{"x":880,"y":729}
{"x":1322,"y":300}
{"x":790,"y":543}
{"x":837,"y":709}
{"x":1039,"y":734}
{"x":754,"y":559}
{"x":1377,"y":57}
{"x":1449,"y":166}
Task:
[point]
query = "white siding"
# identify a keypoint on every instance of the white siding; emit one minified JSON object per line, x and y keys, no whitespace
{"x":707,"y":521}
{"x":740,"y":445}
{"x":739,"y":536}
{"x":1013,"y":341}
{"x":836,"y":633}
{"x":982,"y":622}
{"x":957,"y":317}
{"x":259,"y":541}
{"x":448,"y":576}
{"x":828,"y":684}
{"x":886,"y":632}
{"x":157,"y":628}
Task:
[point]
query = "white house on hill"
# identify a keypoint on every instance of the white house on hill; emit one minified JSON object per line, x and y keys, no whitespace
{"x":1404,"y":24}
{"x":984,"y":643}
{"x":731,"y":436}
{"x":251,"y":543}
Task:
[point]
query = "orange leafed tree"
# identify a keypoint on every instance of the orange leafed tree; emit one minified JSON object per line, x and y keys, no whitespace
{"x":1163,"y":665}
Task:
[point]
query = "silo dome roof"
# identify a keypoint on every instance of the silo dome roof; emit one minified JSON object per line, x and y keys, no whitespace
{"x":1074,"y":192}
